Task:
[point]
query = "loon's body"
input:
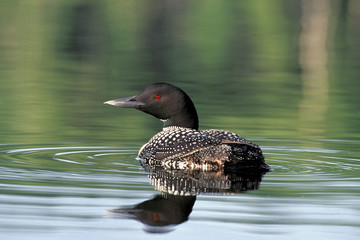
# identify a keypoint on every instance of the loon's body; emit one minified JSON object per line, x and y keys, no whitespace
{"x":180,"y":144}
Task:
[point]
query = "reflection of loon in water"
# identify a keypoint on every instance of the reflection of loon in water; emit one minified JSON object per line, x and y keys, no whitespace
{"x":181,"y":145}
{"x":161,"y":213}
{"x":183,"y":162}
{"x":178,"y":194}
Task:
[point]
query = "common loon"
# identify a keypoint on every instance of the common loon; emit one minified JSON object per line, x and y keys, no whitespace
{"x":180,"y":144}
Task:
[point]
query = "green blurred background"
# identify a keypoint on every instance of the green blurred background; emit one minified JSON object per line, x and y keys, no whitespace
{"x":266,"y":69}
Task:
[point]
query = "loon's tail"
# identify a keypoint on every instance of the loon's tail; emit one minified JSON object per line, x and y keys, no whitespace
{"x":247,"y":158}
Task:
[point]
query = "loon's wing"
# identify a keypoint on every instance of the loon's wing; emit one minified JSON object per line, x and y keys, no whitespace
{"x":176,"y":142}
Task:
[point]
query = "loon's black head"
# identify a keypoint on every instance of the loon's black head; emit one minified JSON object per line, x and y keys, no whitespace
{"x":164,"y":101}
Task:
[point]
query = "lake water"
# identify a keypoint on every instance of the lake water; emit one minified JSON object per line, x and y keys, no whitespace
{"x":284,"y":74}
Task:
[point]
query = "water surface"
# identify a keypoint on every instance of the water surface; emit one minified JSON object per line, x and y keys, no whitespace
{"x":64,"y":190}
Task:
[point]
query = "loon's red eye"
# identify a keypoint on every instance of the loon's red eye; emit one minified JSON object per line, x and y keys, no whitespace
{"x":157,"y":97}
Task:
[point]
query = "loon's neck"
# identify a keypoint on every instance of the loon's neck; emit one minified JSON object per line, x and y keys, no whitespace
{"x":185,"y":119}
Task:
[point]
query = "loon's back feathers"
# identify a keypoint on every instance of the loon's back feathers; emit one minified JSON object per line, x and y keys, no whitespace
{"x":183,"y":148}
{"x":228,"y":137}
{"x":180,"y":144}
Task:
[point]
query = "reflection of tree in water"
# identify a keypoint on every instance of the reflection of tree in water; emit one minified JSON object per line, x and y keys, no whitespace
{"x":178,"y":194}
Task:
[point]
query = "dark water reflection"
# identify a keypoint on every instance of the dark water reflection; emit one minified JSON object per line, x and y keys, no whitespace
{"x":178,"y":190}
{"x":161,"y":213}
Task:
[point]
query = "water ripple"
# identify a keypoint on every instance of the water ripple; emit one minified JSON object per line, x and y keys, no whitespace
{"x":81,"y":166}
{"x":74,"y":155}
{"x":328,"y":158}
{"x":294,"y":162}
